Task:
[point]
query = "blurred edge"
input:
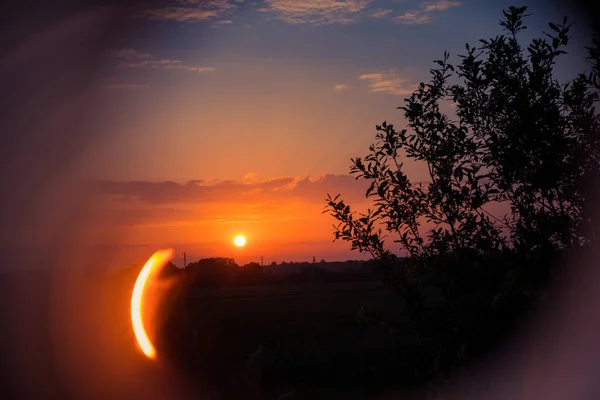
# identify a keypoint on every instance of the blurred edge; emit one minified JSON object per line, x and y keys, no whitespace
{"x":48,"y":64}
{"x":50,"y":56}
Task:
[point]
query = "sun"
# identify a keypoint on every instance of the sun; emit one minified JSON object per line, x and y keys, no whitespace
{"x":239,"y":241}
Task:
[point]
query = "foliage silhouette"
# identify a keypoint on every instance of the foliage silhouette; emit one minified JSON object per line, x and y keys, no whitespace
{"x":251,"y":273}
{"x":216,"y":271}
{"x":169,"y":270}
{"x":519,"y":139}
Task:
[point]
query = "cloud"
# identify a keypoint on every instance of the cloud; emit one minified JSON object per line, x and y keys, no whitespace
{"x":440,"y":5}
{"x":414,"y":17}
{"x":225,"y":22}
{"x":372,"y":76}
{"x":164,"y":64}
{"x":181,"y":14}
{"x":191,"y":10}
{"x":140,"y":216}
{"x":318,"y":12}
{"x":130,"y":54}
{"x":126,"y":86}
{"x":425,"y":13}
{"x":201,"y":69}
{"x":250,"y":177}
{"x":283,"y":188}
{"x":387,"y":82}
{"x":340,"y":87}
{"x":381,"y":13}
{"x":151,"y":63}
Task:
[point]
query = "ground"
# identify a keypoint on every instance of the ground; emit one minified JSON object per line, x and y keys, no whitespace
{"x":321,"y":337}
{"x":320,"y":340}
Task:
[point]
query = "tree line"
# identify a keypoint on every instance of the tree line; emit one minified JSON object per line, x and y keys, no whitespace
{"x":222,"y":272}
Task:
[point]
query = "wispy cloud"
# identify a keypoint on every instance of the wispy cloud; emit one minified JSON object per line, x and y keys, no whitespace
{"x":340,"y":87}
{"x":134,"y":59}
{"x":191,"y":10}
{"x":440,"y":5}
{"x":168,"y":64}
{"x":151,"y":63}
{"x":181,"y":14}
{"x":130,"y":54}
{"x":216,"y":203}
{"x":387,"y":82}
{"x":225,"y":22}
{"x":201,"y":191}
{"x":126,"y":86}
{"x":426,"y":12}
{"x":148,"y":216}
{"x":250,"y":177}
{"x":414,"y":17}
{"x":381,"y":13}
{"x":318,"y":12}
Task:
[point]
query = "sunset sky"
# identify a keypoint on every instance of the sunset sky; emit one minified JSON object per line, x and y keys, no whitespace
{"x":236,"y":117}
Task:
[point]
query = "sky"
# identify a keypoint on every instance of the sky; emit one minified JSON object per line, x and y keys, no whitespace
{"x":227,"y":117}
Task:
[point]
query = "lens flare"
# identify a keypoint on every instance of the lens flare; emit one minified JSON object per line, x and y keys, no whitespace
{"x":153,"y":265}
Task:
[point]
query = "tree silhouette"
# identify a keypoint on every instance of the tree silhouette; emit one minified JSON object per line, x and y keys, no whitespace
{"x":214,"y":271}
{"x":251,"y":273}
{"x":170,"y":270}
{"x":519,"y":138}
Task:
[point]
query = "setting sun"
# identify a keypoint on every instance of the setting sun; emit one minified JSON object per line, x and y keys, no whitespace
{"x":239,"y":241}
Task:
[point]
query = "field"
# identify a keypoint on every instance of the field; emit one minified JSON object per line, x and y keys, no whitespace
{"x":314,"y":338}
{"x":319,"y":340}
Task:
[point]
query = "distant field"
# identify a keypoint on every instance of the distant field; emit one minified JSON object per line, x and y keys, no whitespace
{"x":286,"y":290}
{"x":317,"y":339}
{"x":320,"y":335}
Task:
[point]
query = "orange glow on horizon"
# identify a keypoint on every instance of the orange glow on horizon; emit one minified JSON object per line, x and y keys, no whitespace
{"x":153,"y":265}
{"x":273,"y":229}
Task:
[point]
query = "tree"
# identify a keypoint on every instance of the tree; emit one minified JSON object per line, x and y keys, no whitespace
{"x":251,"y":273}
{"x":519,"y":138}
{"x":170,"y":270}
{"x":211,"y":271}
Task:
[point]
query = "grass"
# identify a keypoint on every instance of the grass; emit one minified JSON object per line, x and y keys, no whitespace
{"x":314,"y":337}
{"x":320,"y":340}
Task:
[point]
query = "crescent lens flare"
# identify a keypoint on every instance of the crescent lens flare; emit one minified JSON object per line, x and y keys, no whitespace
{"x":153,"y":265}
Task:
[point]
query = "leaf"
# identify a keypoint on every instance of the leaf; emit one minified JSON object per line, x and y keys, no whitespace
{"x":370,"y":189}
{"x":458,"y":173}
{"x":555,"y":42}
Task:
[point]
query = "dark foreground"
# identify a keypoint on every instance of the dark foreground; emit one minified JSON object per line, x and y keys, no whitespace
{"x":320,"y":340}
{"x":309,"y":339}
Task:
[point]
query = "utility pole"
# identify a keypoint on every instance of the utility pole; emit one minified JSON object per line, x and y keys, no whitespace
{"x":261,"y":262}
{"x":184,"y":261}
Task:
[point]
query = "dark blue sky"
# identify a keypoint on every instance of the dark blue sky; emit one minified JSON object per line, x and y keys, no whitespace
{"x":284,"y":74}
